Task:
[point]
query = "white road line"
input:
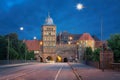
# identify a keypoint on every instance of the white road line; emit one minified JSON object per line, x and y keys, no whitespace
{"x":13,"y":76}
{"x":58,"y":73}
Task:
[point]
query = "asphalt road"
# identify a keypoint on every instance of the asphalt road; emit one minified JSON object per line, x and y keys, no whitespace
{"x":38,"y":71}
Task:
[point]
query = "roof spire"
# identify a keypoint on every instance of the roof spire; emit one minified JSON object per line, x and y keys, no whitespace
{"x":49,"y":20}
{"x":48,"y":14}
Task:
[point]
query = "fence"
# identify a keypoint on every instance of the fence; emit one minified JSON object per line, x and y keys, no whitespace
{"x":106,"y":58}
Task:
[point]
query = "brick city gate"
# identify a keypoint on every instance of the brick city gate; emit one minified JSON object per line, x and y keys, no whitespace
{"x":67,"y":52}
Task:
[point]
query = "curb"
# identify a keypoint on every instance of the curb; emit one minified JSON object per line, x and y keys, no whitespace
{"x":13,"y":65}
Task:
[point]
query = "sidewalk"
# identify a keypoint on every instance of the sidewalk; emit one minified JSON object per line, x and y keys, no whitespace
{"x":14,"y":65}
{"x":97,"y":74}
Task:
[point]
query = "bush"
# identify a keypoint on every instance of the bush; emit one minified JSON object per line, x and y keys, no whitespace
{"x":114,"y":45}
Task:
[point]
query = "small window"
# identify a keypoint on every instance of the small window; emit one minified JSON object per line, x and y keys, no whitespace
{"x":49,"y":33}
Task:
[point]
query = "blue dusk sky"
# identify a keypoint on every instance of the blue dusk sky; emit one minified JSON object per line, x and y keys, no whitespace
{"x":31,"y":15}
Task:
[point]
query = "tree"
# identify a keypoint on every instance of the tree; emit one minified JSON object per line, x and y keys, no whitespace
{"x":88,"y":53}
{"x":22,"y":50}
{"x":114,"y":44}
{"x":3,"y":48}
{"x":30,"y":55}
{"x":17,"y":48}
{"x":92,"y":55}
{"x":13,"y":55}
{"x":12,"y":36}
{"x":96,"y":55}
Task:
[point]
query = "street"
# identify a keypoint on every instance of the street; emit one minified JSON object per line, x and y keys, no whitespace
{"x":56,"y":71}
{"x":38,"y":71}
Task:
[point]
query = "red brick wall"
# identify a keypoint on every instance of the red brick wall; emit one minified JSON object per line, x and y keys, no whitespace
{"x":106,"y":58}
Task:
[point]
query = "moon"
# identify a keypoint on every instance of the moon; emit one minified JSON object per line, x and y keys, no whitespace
{"x":79,"y":6}
{"x":34,"y":37}
{"x":21,"y":28}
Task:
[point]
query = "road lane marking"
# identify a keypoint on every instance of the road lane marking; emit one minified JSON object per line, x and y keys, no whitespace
{"x":58,"y":73}
{"x":13,"y":76}
{"x":75,"y":72}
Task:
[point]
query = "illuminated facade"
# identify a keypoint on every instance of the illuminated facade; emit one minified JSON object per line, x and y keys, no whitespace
{"x":62,"y":46}
{"x":86,"y":40}
{"x":49,"y":38}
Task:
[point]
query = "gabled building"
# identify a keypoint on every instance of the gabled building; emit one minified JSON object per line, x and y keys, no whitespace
{"x":34,"y":45}
{"x":86,"y":40}
{"x":67,"y":38}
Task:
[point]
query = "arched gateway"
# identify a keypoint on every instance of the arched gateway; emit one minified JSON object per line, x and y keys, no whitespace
{"x":49,"y":39}
{"x":49,"y":47}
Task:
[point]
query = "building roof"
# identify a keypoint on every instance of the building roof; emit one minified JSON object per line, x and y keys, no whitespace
{"x":76,"y":36}
{"x":33,"y":45}
{"x":95,"y":38}
{"x":86,"y":36}
{"x":49,"y":21}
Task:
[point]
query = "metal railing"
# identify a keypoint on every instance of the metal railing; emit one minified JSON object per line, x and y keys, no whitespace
{"x":3,"y":62}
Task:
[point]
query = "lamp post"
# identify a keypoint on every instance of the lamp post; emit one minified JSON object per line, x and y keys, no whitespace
{"x":25,"y":52}
{"x":60,"y":38}
{"x":70,"y":39}
{"x":34,"y":37}
{"x":85,"y":52}
{"x":79,"y":7}
{"x":78,"y":54}
{"x":21,"y":29}
{"x":41,"y":51}
{"x":8,"y":51}
{"x":102,"y":52}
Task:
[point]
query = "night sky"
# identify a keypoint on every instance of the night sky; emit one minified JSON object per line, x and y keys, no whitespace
{"x":31,"y":14}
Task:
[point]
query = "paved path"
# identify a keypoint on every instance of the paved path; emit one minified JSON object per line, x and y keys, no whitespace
{"x":90,"y":73}
{"x":38,"y":71}
{"x":55,"y":71}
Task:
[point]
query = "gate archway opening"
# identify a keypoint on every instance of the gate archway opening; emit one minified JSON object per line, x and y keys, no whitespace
{"x":65,"y":59}
{"x":59,"y":59}
{"x":49,"y":58}
{"x":41,"y":59}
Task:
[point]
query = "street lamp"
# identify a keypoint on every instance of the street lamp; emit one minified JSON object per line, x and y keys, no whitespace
{"x":102,"y":45}
{"x":21,"y":29}
{"x":34,"y":37}
{"x":78,"y":54}
{"x":70,"y":39}
{"x":79,"y":6}
{"x":85,"y":52}
{"x":8,"y":51}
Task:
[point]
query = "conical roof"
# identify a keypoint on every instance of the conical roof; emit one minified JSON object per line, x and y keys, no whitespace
{"x":49,"y":20}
